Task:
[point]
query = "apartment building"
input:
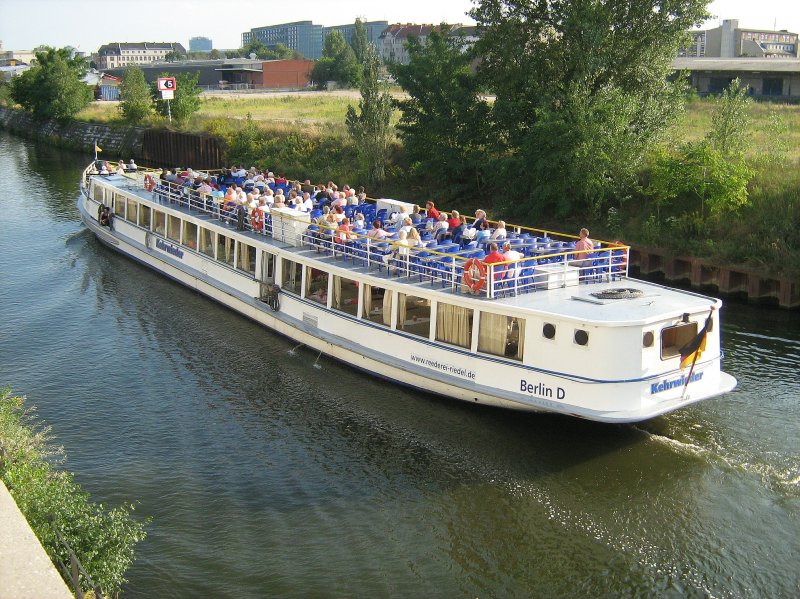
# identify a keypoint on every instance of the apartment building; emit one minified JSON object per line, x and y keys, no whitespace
{"x":115,"y":55}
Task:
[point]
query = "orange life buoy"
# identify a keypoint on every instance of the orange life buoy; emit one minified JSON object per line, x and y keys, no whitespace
{"x":257,"y":218}
{"x":475,"y":274}
{"x":149,"y":183}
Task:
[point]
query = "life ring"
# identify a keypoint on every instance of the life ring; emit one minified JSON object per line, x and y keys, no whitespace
{"x":257,"y":218}
{"x":149,"y":183}
{"x":619,"y":293}
{"x":474,"y":274}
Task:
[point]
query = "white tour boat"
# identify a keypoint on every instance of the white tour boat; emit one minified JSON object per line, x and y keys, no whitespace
{"x":558,"y":331}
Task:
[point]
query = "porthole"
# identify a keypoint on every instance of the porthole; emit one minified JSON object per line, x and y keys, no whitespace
{"x":549,"y":331}
{"x":581,"y":337}
{"x":648,"y":338}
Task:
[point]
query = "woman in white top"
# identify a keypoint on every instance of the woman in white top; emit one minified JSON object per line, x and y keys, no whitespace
{"x":499,"y":232}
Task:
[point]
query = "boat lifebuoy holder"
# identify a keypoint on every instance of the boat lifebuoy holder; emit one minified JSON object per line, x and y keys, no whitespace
{"x":149,"y":183}
{"x":474,"y":275}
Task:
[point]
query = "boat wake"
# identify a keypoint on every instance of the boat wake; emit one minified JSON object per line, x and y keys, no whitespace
{"x":779,"y":474}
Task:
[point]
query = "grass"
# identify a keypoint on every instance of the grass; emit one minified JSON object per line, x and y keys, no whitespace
{"x":772,"y":127}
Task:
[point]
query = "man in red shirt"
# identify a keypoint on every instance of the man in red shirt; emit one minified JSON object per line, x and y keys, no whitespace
{"x":493,"y":258}
{"x":431,"y":211}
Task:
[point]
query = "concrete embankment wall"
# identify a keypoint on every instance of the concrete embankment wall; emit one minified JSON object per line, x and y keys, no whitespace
{"x":149,"y":147}
{"x":116,"y":142}
{"x":729,"y":281}
{"x":26,"y":571}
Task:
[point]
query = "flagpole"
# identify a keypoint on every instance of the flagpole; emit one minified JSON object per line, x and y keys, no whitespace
{"x":696,"y":355}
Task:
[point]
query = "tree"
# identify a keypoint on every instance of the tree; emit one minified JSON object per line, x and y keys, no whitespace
{"x":370,"y":128}
{"x":360,"y":41}
{"x":711,"y":172}
{"x":136,"y":101}
{"x":338,"y":63}
{"x":52,"y":87}
{"x":443,"y":121}
{"x":174,"y":55}
{"x":581,"y":92}
{"x":729,"y":121}
{"x":187,"y":97}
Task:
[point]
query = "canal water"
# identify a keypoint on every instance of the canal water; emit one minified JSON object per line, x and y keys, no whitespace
{"x":268,"y":473}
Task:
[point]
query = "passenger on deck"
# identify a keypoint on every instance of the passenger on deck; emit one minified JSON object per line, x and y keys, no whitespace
{"x":307,"y":205}
{"x":583,"y":245}
{"x":377,"y":232}
{"x":132,"y":165}
{"x":416,"y":217}
{"x":493,"y":258}
{"x":407,"y":226}
{"x":480,"y":218}
{"x":483,"y":233}
{"x":453,"y":221}
{"x":338,"y":213}
{"x":345,"y":231}
{"x":431,"y":211}
{"x":414,"y":240}
{"x":457,"y":231}
{"x":358,"y":222}
{"x":500,"y":231}
{"x":440,"y":228}
{"x":510,"y":254}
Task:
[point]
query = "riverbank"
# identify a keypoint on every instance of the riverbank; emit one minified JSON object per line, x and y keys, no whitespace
{"x":27,"y":572}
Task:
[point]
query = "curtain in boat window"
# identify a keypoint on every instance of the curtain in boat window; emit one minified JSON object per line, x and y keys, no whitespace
{"x":337,"y":293}
{"x":493,"y":333}
{"x":207,"y":241}
{"x":520,"y":323}
{"x":387,"y":307}
{"x":247,"y":258}
{"x":367,"y":300}
{"x":501,"y":335}
{"x":454,"y":325}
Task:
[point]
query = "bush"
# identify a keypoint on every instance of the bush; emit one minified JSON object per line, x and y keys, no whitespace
{"x":102,"y":538}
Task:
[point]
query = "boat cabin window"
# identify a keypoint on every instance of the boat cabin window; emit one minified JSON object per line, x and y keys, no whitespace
{"x":189,"y":234}
{"x":206,"y":242}
{"x":377,"y":305}
{"x":317,"y":285}
{"x":292,"y":276}
{"x":501,"y":335}
{"x":174,"y":228}
{"x":225,"y":249}
{"x":454,"y":324}
{"x":130,"y":213}
{"x":414,"y":315}
{"x":144,"y":216}
{"x":246,"y":258}
{"x":97,"y":193}
{"x":159,"y":222}
{"x":345,"y":295}
{"x":119,"y":205}
{"x":267,"y":267}
{"x":674,"y":338}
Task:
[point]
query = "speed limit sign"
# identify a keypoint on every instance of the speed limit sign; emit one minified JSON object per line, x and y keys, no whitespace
{"x":166,"y":84}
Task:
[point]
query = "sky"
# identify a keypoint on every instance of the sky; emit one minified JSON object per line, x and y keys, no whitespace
{"x":88,"y":24}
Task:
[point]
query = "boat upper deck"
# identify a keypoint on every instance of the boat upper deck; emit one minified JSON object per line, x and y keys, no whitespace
{"x":550,"y":278}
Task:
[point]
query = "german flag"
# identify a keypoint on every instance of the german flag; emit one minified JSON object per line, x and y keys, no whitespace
{"x":692,"y":351}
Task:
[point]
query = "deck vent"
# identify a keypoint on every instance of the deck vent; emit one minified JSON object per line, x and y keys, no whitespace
{"x":648,"y":338}
{"x":549,"y":331}
{"x":581,"y":337}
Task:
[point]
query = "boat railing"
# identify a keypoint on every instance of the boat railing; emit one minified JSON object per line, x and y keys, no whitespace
{"x":546,"y":262}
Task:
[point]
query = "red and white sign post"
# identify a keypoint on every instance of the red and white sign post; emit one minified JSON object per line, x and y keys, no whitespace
{"x":167,"y":87}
